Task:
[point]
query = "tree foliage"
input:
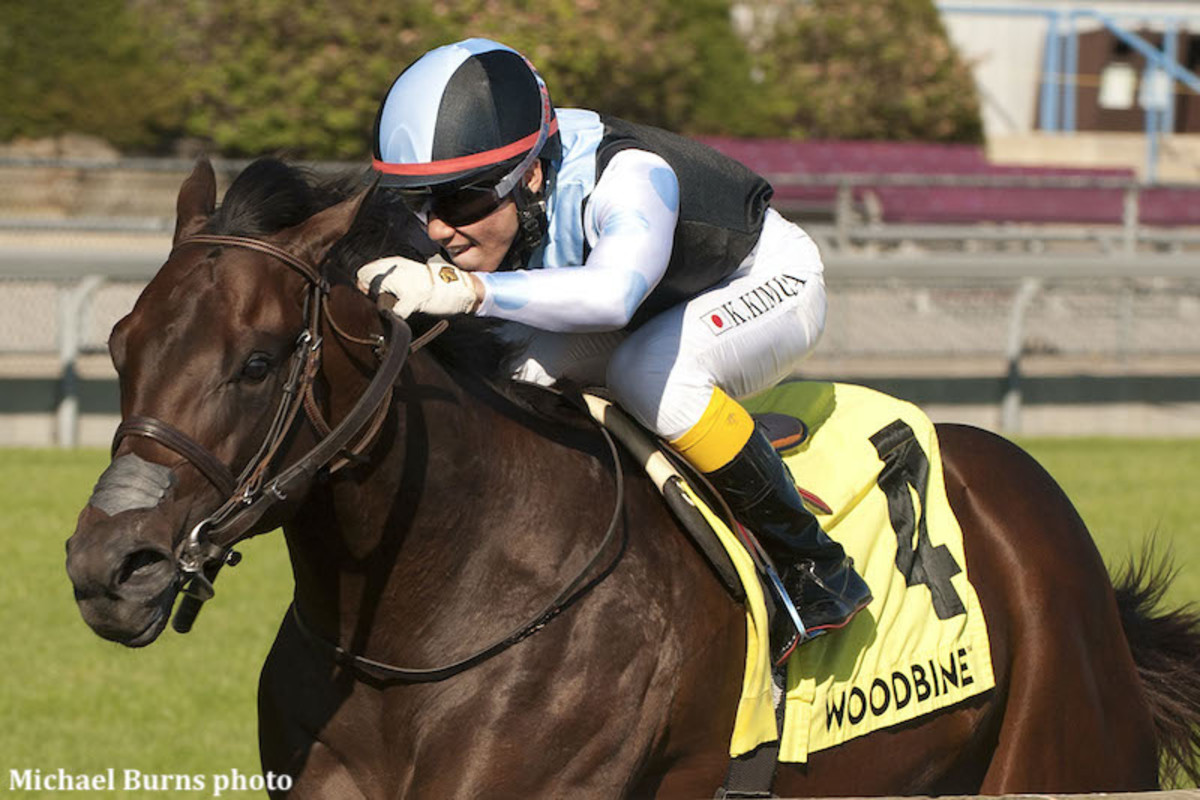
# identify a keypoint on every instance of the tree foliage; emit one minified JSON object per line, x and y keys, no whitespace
{"x":300,"y":77}
{"x":84,"y":67}
{"x":270,"y":75}
{"x":862,"y":69}
{"x":305,"y":77}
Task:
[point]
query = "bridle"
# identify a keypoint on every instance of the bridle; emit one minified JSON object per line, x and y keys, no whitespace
{"x":253,"y":492}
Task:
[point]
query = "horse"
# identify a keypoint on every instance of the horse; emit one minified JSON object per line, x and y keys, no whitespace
{"x":559,"y":633}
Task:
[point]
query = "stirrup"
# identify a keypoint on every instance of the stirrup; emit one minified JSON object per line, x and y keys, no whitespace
{"x":787,"y":629}
{"x":784,"y":644}
{"x":785,"y":639}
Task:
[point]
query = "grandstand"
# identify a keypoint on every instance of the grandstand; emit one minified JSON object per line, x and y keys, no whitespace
{"x":954,"y":281}
{"x":1072,"y":195}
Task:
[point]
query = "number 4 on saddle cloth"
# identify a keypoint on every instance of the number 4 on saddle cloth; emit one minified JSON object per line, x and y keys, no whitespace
{"x":872,"y":475}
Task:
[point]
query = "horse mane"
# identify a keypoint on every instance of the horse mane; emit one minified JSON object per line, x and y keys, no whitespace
{"x":271,"y":195}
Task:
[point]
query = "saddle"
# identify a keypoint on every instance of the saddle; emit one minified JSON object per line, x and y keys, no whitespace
{"x":923,"y":646}
{"x":668,"y":472}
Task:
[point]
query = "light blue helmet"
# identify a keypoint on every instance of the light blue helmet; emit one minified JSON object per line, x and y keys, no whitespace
{"x":467,"y":112}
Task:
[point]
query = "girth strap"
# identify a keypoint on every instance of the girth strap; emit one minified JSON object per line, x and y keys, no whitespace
{"x":751,"y":775}
{"x":172,"y":439}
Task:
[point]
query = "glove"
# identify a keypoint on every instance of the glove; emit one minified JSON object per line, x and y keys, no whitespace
{"x":441,"y":289}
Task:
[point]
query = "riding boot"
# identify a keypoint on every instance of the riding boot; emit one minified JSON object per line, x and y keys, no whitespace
{"x":744,"y":468}
{"x":815,"y":570}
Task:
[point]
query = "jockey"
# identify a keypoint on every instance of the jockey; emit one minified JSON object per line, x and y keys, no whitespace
{"x":626,"y":257}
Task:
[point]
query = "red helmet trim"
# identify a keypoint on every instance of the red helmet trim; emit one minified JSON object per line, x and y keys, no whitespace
{"x":485,"y":159}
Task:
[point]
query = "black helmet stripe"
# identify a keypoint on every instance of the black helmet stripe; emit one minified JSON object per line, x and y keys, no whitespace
{"x":490,"y":101}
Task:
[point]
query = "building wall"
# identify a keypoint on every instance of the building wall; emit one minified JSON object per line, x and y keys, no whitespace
{"x":1005,"y":42}
{"x":1005,"y":54}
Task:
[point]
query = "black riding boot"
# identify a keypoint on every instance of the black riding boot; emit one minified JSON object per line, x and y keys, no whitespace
{"x":815,"y":570}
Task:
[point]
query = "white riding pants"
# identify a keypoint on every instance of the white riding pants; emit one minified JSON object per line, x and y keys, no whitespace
{"x":744,"y":335}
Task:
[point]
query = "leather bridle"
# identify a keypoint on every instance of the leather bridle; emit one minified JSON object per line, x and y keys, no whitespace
{"x":250,"y":494}
{"x":255,"y":490}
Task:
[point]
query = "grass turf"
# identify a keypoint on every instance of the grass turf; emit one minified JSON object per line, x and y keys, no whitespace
{"x":1130,"y":490}
{"x":185,"y":705}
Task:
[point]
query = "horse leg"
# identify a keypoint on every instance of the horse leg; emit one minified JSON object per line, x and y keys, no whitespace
{"x":691,"y":757}
{"x":324,"y":776}
{"x":1073,"y":718}
{"x":288,"y":744}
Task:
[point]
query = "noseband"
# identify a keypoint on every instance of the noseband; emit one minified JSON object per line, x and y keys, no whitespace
{"x":254,"y":491}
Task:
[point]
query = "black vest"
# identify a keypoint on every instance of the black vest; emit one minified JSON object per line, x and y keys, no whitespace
{"x":721,"y":208}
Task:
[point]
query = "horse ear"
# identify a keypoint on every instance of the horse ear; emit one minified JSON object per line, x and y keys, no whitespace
{"x":197,"y":200}
{"x":314,"y":237}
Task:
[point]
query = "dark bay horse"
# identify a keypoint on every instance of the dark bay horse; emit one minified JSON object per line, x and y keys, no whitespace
{"x":471,"y":507}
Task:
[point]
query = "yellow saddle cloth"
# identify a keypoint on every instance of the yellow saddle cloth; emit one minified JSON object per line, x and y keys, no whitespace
{"x":922,"y":643}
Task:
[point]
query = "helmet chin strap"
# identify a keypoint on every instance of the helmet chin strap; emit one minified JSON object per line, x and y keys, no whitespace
{"x":532,"y":225}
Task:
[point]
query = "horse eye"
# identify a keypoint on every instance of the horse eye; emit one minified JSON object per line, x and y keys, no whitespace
{"x":257,"y":367}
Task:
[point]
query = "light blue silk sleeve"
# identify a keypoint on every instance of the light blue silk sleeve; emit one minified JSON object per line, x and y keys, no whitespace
{"x":630,"y":225}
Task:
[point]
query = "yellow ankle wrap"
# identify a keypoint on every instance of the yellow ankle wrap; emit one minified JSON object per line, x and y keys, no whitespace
{"x":721,"y":433}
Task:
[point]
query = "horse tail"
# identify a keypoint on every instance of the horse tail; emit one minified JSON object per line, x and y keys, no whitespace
{"x":1166,"y":650}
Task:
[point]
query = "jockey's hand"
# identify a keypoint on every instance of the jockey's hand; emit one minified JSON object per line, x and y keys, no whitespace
{"x":440,"y":289}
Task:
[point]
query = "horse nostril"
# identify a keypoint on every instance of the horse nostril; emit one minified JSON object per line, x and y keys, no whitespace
{"x":140,"y":564}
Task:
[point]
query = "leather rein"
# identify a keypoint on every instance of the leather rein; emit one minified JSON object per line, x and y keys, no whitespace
{"x":254,"y":491}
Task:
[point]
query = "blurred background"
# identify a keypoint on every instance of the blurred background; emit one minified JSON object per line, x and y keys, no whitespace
{"x":1007,"y":194}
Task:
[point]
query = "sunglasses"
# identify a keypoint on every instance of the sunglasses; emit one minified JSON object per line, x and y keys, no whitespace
{"x":455,"y":207}
{"x":471,"y":203}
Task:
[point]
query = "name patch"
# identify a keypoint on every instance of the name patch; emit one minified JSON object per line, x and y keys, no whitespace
{"x":752,"y":304}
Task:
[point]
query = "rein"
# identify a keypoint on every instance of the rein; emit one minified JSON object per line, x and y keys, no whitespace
{"x":580,"y":585}
{"x":251,"y":494}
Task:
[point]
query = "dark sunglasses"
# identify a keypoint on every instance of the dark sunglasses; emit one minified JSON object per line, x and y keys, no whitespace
{"x":455,"y":207}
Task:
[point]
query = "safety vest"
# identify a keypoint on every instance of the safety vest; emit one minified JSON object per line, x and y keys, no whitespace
{"x":721,"y":208}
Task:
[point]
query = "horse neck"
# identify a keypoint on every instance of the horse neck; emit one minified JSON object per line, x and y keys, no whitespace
{"x":450,"y":515}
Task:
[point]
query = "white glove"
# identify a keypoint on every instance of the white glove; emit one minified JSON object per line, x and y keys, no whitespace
{"x":441,"y":289}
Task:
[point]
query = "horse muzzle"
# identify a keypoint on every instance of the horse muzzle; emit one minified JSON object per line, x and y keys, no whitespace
{"x":125,"y":583}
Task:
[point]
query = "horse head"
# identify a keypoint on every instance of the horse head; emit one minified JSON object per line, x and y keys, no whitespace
{"x":215,"y":340}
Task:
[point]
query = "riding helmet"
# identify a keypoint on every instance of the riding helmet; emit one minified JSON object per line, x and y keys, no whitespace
{"x":464,"y":113}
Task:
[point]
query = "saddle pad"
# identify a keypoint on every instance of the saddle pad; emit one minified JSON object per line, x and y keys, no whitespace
{"x":921,"y":645}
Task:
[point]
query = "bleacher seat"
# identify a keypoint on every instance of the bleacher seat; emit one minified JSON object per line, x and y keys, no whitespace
{"x":945,"y":204}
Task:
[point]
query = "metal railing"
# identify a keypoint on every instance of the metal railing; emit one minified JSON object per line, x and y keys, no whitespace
{"x":998,"y":323}
{"x":852,"y":224}
{"x":94,"y":264}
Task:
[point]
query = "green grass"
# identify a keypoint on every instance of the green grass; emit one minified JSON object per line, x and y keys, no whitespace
{"x":185,"y":705}
{"x":1129,"y":490}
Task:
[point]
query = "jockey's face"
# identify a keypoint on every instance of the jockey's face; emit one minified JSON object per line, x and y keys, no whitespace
{"x":480,"y":246}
